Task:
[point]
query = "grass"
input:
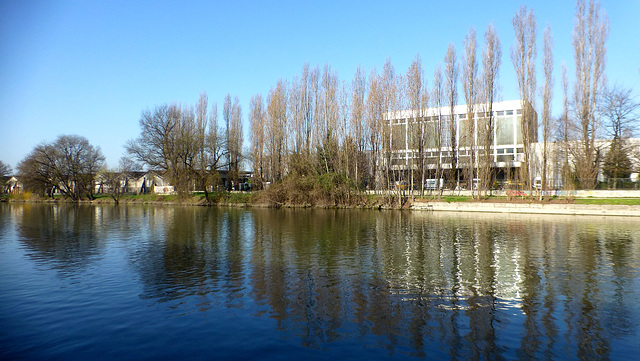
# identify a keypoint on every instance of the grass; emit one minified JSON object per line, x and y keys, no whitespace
{"x":609,"y":201}
{"x":588,"y":201}
{"x":252,"y":197}
{"x":230,"y":197}
{"x":452,"y":199}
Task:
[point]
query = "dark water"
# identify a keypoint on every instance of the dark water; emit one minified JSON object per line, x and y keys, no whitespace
{"x":136,"y":282}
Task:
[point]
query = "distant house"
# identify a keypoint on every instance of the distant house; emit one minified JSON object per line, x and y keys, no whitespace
{"x":11,"y":185}
{"x":148,"y":181}
{"x":136,"y":182}
{"x":243,"y":182}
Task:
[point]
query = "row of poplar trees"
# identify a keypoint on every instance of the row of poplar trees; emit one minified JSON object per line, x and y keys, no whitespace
{"x":317,"y":123}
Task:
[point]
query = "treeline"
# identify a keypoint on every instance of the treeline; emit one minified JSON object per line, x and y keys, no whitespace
{"x":323,"y":136}
{"x":317,"y":124}
{"x":188,"y":144}
{"x":68,"y":165}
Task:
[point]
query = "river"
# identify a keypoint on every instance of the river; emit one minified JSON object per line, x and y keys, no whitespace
{"x":206,"y":283}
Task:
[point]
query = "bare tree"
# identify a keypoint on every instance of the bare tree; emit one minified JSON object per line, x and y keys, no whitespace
{"x":346,"y":143}
{"x":226,"y":117}
{"x":389,"y":92}
{"x":234,"y":141}
{"x":437,"y":135}
{"x":216,"y":150}
{"x":620,"y":111}
{"x":328,"y":117}
{"x":257,"y":119}
{"x":312,"y":110}
{"x":209,"y":146}
{"x":469,"y":82}
{"x":157,"y":144}
{"x":491,"y":60}
{"x":199,"y":167}
{"x":5,"y":169}
{"x":425,"y":134}
{"x":296,"y":115}
{"x":375,"y":114}
{"x":171,"y":141}
{"x":358,"y":124}
{"x":276,"y":131}
{"x":451,"y":92}
{"x":417,"y":132}
{"x":590,"y":34}
{"x":115,"y":182}
{"x":302,"y":127}
{"x":523,"y":56}
{"x":547,"y":93}
{"x":567,"y":179}
{"x":69,"y":164}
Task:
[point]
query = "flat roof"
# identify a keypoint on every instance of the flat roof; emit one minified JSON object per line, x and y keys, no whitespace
{"x":458,"y":109}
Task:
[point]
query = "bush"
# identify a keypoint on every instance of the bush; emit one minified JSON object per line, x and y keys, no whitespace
{"x":328,"y":189}
{"x":21,"y":196}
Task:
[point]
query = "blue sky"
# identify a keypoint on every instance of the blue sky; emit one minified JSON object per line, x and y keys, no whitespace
{"x":91,"y":67}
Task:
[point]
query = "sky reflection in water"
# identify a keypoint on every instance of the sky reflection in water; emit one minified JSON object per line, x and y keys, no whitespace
{"x":137,"y":282}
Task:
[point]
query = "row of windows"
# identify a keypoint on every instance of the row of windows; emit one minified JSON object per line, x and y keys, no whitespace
{"x":461,"y":152}
{"x":503,"y":135}
{"x":402,"y":162}
{"x":459,"y":116}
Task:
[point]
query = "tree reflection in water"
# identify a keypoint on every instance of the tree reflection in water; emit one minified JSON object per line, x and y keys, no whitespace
{"x":456,"y":286}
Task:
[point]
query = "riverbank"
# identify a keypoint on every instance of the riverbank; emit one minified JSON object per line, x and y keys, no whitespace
{"x":620,"y":207}
{"x":618,"y":210}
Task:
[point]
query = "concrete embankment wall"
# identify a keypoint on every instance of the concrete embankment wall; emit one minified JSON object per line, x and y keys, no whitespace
{"x":531,"y":208}
{"x":576,"y":194}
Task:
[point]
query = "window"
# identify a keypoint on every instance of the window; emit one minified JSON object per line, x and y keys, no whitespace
{"x":462,"y":116}
{"x":519,"y":111}
{"x":500,"y":151}
{"x":504,"y":131}
{"x":500,"y":113}
{"x":509,"y":112}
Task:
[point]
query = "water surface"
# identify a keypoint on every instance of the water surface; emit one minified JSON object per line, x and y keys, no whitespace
{"x":139,"y":282}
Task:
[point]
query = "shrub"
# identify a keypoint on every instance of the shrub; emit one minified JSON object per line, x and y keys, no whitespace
{"x":327,"y":189}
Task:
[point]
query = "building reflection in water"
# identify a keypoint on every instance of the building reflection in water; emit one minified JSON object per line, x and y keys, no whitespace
{"x":453,"y":286}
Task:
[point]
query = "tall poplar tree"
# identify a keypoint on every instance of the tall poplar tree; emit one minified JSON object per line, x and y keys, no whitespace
{"x":470,"y":90}
{"x":523,"y":57}
{"x":451,"y":95}
{"x":590,"y":35}
{"x":547,"y":93}
{"x":491,"y":60}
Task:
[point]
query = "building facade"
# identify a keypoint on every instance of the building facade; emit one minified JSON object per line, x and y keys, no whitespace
{"x":448,"y":142}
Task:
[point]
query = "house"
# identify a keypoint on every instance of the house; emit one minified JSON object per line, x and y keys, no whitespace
{"x":243,"y":182}
{"x":11,"y":185}
{"x":151,"y":181}
{"x":136,"y":182}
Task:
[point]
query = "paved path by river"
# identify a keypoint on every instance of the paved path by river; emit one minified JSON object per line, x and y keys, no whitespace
{"x":531,"y":208}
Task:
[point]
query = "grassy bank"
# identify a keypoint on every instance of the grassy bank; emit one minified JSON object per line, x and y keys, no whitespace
{"x":609,"y":201}
{"x":560,"y":200}
{"x":305,"y":193}
{"x":193,"y":199}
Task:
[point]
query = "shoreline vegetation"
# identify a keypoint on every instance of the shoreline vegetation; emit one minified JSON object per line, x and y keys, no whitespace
{"x":283,"y":196}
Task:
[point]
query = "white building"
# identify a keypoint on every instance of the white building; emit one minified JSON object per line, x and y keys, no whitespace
{"x":507,"y":148}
